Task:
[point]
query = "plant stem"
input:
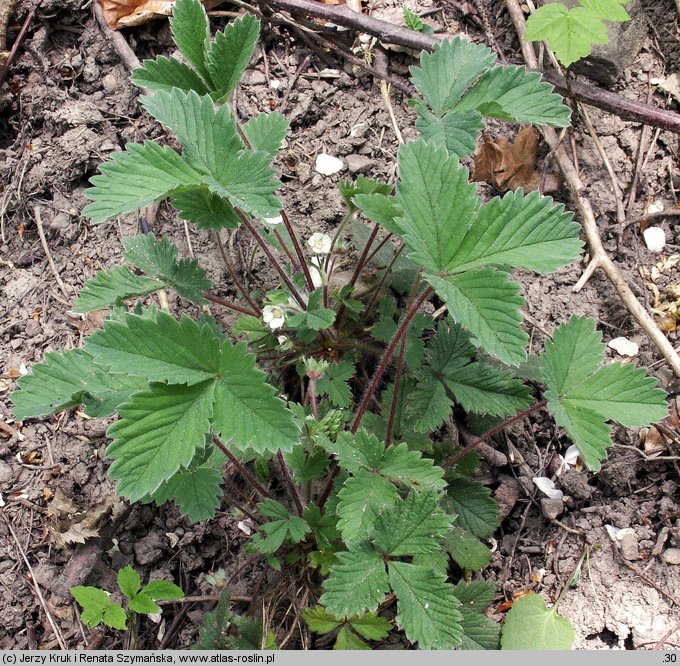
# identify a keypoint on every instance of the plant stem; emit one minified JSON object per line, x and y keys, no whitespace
{"x":279,"y":269}
{"x":386,"y":272}
{"x":298,"y":250}
{"x":230,"y":304}
{"x":232,"y":273}
{"x":379,"y":247}
{"x":311,"y":392}
{"x":384,"y":362}
{"x":292,"y":488}
{"x":241,"y":467}
{"x":289,"y":254}
{"x":494,"y":431}
{"x":395,"y":394}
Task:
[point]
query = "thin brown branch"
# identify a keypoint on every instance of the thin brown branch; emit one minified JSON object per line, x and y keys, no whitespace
{"x":402,"y":36}
{"x":230,"y":304}
{"x":9,"y":9}
{"x":118,"y":41}
{"x":599,"y":257}
{"x":48,"y":254}
{"x":245,"y":472}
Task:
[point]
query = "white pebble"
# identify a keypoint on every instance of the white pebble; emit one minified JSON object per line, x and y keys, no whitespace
{"x":655,"y":239}
{"x":624,"y":346}
{"x":327,"y":165}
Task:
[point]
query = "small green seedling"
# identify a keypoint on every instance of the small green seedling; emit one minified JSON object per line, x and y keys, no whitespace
{"x":98,"y":607}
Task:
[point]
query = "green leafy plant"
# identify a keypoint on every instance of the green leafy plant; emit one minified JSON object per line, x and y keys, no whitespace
{"x":334,"y":388}
{"x":571,"y":33}
{"x":99,"y":609}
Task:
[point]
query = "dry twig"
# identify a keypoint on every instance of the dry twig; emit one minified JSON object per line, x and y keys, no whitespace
{"x":599,"y":258}
{"x":48,"y":254}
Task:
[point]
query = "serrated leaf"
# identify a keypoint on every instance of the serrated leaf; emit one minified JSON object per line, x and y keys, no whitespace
{"x":334,"y":384}
{"x":205,"y":209}
{"x":129,"y":581}
{"x":247,"y":410}
{"x":486,"y":303}
{"x":229,"y":54}
{"x":371,"y":626}
{"x":582,"y":397}
{"x":142,"y":603}
{"x":380,"y":208}
{"x":347,"y":640}
{"x":529,"y":625}
{"x":163,"y":350}
{"x":467,"y":551}
{"x":67,"y":379}
{"x":519,"y":231}
{"x":276,"y":531}
{"x":207,"y":133}
{"x":357,"y":583}
{"x":438,"y":203}
{"x":412,"y":526}
{"x":428,"y":404}
{"x":427,"y":608}
{"x":159,"y":432}
{"x":319,"y":620}
{"x":356,"y":451}
{"x":266,"y":132}
{"x":486,"y":389}
{"x":513,"y":93}
{"x":168,"y":73}
{"x":457,"y":132}
{"x":608,"y":10}
{"x":479,"y":632}
{"x":450,"y":349}
{"x":94,"y":603}
{"x":411,"y":469}
{"x":569,"y":33}
{"x":362,"y":185}
{"x":191,"y":33}
{"x":475,"y":596}
{"x":362,"y":498}
{"x":197,"y":492}
{"x":438,"y":562}
{"x":112,"y":287}
{"x":212,"y":634}
{"x":445,"y":74}
{"x":114,"y":617}
{"x":136,"y":178}
{"x":474,"y":507}
{"x":162,"y":589}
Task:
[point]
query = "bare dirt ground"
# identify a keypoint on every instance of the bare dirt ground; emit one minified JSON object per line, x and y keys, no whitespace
{"x":67,"y":104}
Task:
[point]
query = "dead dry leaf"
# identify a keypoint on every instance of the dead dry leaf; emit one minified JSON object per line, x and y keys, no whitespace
{"x":125,"y":13}
{"x":67,"y":523}
{"x":508,"y":166}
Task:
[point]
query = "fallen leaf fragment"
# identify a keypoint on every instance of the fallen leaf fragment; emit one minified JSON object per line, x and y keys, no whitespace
{"x":68,"y":523}
{"x":624,"y":346}
{"x":508,"y":166}
{"x":125,"y":13}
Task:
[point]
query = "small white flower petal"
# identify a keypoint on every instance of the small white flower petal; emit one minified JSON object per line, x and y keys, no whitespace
{"x":624,"y":346}
{"x":547,"y":487}
{"x":245,"y":526}
{"x":327,"y":165}
{"x":316,"y":277}
{"x":655,"y":239}
{"x":320,"y":243}
{"x":273,"y":221}
{"x":571,"y":455}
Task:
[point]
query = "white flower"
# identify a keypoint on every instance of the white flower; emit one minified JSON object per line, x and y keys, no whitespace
{"x":273,"y":316}
{"x":273,"y":221}
{"x":320,"y":243}
{"x":282,"y":339}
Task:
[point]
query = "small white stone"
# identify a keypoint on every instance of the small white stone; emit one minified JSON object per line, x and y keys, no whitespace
{"x":327,"y":165}
{"x":547,"y":487}
{"x":655,"y":239}
{"x":656,"y":206}
{"x":624,"y":346}
{"x":275,"y":84}
{"x":618,"y":533}
{"x":245,"y":526}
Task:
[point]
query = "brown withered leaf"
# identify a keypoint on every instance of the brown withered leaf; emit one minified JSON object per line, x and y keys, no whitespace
{"x":125,"y":13}
{"x":67,"y":523}
{"x":508,"y":166}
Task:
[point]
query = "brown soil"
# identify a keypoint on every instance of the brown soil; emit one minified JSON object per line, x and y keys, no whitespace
{"x":67,"y":104}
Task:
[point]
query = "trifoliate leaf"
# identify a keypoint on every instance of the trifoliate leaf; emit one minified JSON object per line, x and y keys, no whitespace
{"x":167,"y":73}
{"x":412,"y":526}
{"x":197,"y":492}
{"x":362,"y":498}
{"x":334,"y":384}
{"x":486,"y":303}
{"x":474,"y":507}
{"x":229,"y":54}
{"x":445,"y":74}
{"x":306,"y":466}
{"x":348,"y":640}
{"x":427,"y":608}
{"x":582,"y":396}
{"x":467,"y":551}
{"x":67,"y":379}
{"x":371,"y":626}
{"x":529,"y":625}
{"x":205,"y":209}
{"x":319,"y":620}
{"x":357,"y":583}
{"x":114,"y":617}
{"x":191,"y":33}
{"x":97,"y":607}
{"x":136,"y":178}
{"x":323,"y":527}
{"x":142,"y":603}
{"x":411,"y":469}
{"x":266,"y":132}
{"x":129,"y":581}
{"x":428,"y":404}
{"x":159,"y":432}
{"x":570,"y":33}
